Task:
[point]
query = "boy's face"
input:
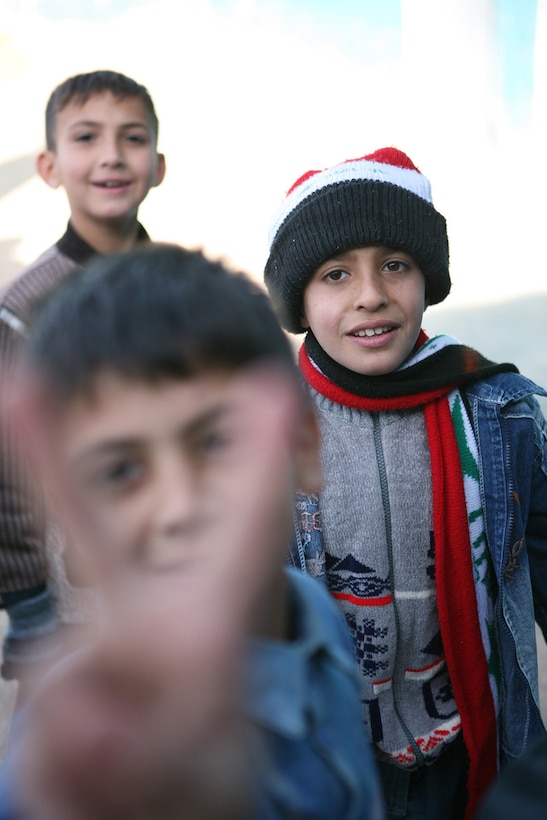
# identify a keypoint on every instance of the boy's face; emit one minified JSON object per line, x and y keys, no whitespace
{"x":154,"y":476}
{"x":105,"y":157}
{"x":365,"y":308}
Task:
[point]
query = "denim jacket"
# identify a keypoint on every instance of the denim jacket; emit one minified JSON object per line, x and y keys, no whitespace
{"x":303,"y":697}
{"x":512,"y":440}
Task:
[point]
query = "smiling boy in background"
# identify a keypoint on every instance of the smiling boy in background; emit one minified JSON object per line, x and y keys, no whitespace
{"x":101,"y":147}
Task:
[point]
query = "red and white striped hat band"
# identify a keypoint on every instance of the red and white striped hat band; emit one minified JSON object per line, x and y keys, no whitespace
{"x":379,"y":199}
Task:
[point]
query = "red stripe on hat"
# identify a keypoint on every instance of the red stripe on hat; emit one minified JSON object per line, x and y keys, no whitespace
{"x":302,"y":179}
{"x":392,"y":156}
{"x":385,"y":156}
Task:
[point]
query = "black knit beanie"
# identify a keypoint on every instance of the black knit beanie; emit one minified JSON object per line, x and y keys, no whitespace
{"x":379,"y":199}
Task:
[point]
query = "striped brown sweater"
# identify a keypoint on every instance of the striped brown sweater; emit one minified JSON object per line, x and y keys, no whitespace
{"x":30,"y":543}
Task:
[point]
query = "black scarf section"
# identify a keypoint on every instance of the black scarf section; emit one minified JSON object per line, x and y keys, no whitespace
{"x":452,"y":366}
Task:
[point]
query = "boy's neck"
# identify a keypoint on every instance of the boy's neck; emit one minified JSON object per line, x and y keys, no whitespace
{"x":108,"y":237}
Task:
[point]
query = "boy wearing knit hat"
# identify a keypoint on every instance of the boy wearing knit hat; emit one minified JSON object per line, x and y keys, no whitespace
{"x":430,"y":530}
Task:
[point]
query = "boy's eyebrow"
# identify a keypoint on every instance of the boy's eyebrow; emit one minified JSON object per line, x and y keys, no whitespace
{"x":108,"y":446}
{"x":188,"y":430}
{"x":339,"y":257}
{"x":211,"y":416}
{"x":98,"y":123}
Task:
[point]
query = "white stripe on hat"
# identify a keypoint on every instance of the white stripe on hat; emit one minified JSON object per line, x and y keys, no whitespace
{"x":358,"y":169}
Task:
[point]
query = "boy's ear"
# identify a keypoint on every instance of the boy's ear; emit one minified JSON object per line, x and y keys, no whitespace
{"x":160,"y":171}
{"x":308,"y":472}
{"x":303,"y":318}
{"x":46,"y":165}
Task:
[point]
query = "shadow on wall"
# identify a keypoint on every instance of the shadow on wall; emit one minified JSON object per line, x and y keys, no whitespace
{"x":10,"y":264}
{"x":13,"y":172}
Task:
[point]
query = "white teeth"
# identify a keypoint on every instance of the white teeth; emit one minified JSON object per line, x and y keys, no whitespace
{"x":369,"y":331}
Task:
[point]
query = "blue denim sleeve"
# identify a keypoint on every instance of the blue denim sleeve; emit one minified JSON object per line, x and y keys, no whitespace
{"x":8,"y":800}
{"x":303,"y":698}
{"x":536,"y":525}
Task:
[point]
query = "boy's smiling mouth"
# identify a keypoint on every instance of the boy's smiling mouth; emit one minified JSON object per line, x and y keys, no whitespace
{"x":112,"y":183}
{"x":371,"y":331}
{"x":372,"y":336}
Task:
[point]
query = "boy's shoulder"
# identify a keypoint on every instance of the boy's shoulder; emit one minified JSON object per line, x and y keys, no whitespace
{"x":319,"y":638}
{"x":32,"y":284}
{"x":40,"y":277}
{"x":316,"y":617}
{"x":503,"y":388}
{"x":303,"y":694}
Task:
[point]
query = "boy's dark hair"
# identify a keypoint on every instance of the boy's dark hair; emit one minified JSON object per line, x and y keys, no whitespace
{"x":81,"y":87}
{"x":153,"y":313}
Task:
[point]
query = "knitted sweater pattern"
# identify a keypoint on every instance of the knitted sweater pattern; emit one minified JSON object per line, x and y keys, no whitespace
{"x":376,"y":518}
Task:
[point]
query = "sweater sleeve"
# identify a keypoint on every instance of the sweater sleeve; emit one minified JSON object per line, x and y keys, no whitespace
{"x":27,"y":581}
{"x":23,"y":565}
{"x":22,"y":555}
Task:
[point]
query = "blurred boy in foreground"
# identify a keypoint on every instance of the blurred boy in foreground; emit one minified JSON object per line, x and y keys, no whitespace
{"x":161,"y":406}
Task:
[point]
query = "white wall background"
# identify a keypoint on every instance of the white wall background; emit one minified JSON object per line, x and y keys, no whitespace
{"x":249,"y":98}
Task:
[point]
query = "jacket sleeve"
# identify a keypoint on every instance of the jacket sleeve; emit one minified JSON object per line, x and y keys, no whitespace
{"x":23,"y":566}
{"x":536,"y":525}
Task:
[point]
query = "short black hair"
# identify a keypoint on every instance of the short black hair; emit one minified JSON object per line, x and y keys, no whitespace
{"x":159,"y":312}
{"x":81,"y":87}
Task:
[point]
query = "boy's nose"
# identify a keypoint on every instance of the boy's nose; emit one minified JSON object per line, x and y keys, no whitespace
{"x":176,"y":500}
{"x":370,"y":293}
{"x":112,"y":153}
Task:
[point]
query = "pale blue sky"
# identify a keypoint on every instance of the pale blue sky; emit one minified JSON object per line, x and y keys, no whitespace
{"x":366,"y":29}
{"x":517,"y":20}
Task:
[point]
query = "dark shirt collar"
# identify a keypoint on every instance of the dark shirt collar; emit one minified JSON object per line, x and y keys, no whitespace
{"x":72,"y":245}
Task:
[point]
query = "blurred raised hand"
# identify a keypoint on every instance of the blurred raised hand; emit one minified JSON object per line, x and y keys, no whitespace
{"x":143,"y":720}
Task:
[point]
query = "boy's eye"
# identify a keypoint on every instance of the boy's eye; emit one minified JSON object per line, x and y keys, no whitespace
{"x":86,"y":137}
{"x":336,"y":275}
{"x":139,"y":139}
{"x":396,"y":266}
{"x":213,"y":443}
{"x":217,"y":441}
{"x":118,"y":475}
